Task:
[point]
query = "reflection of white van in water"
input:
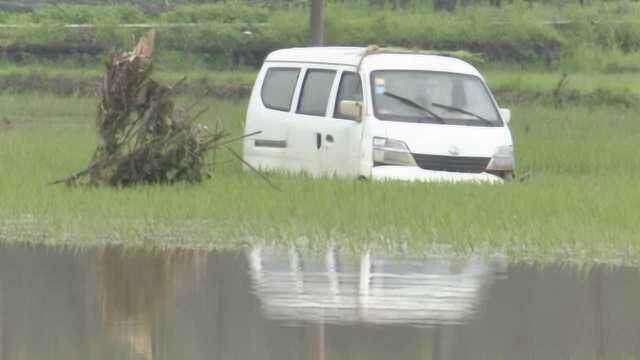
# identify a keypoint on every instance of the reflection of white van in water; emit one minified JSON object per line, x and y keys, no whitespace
{"x":378,"y":115}
{"x":299,"y":286}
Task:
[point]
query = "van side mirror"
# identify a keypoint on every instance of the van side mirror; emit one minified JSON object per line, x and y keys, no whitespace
{"x":505,"y":114}
{"x":351,"y":109}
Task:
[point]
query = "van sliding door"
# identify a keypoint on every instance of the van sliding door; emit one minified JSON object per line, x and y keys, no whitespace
{"x":270,"y":112}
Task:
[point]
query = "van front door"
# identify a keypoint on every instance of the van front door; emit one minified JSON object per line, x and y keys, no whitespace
{"x":341,"y":133}
{"x":326,"y":141}
{"x":307,"y":131}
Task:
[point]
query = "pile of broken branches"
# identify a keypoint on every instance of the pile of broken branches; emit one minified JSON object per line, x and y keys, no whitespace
{"x":142,"y":137}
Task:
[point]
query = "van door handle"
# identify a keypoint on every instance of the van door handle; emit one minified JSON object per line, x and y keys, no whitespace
{"x":318,"y":140}
{"x":329,"y":138}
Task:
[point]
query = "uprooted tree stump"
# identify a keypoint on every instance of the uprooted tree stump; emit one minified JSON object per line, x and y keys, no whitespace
{"x":142,"y":138}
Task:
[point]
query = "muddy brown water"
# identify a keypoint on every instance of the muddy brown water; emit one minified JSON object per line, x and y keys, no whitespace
{"x":267,"y":303}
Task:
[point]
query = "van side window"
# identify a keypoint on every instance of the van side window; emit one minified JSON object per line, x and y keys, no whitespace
{"x":350,"y":89}
{"x":315,"y":92}
{"x":278,"y":87}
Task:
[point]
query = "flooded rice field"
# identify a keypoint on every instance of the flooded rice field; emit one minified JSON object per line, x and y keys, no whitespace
{"x":265,"y":303}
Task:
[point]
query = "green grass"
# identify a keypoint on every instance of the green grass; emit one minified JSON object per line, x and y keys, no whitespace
{"x":502,"y":78}
{"x":532,"y":80}
{"x":608,"y":32}
{"x":527,"y":78}
{"x":167,"y":71}
{"x":579,"y":203}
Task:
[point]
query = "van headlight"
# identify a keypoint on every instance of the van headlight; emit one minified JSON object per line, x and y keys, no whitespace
{"x":391,"y":152}
{"x":502,"y":160}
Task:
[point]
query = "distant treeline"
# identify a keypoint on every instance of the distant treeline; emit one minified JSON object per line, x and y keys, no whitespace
{"x":241,"y":32}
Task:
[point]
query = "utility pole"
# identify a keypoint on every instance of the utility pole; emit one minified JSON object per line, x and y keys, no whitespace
{"x":316,"y":22}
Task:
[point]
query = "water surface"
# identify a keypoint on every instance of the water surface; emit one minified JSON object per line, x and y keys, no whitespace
{"x":284,"y":304}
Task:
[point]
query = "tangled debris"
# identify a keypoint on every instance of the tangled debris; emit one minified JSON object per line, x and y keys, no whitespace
{"x":143,"y":138}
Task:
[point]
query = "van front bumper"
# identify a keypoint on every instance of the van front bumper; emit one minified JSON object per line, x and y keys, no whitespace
{"x":411,"y":173}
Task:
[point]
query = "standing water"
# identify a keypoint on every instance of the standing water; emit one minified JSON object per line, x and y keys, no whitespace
{"x":265,"y":303}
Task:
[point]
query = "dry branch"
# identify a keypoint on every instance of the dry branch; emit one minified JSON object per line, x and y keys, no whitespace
{"x":142,"y":138}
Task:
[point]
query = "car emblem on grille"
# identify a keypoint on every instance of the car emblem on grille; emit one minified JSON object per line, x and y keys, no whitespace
{"x":453,"y":150}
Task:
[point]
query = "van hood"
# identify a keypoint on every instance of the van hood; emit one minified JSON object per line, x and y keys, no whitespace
{"x":449,"y":140}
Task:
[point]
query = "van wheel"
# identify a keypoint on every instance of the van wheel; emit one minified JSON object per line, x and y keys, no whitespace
{"x":362,"y":178}
{"x":507,"y":176}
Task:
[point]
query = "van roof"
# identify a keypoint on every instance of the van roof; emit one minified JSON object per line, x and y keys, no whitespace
{"x":378,"y":57}
{"x":329,"y":55}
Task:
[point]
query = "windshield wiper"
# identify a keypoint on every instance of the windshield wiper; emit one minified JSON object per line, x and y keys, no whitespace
{"x":462,"y":111}
{"x":415,"y":105}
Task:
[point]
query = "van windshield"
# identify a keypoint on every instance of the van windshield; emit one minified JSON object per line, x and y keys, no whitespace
{"x":432,"y":97}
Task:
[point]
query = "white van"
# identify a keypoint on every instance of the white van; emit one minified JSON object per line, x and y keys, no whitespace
{"x":371,"y":114}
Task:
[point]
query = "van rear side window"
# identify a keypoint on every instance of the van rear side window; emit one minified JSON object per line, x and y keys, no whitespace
{"x":315,"y":92}
{"x":278,"y":87}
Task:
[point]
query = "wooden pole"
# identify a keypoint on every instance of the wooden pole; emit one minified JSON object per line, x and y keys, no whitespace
{"x":316,"y":22}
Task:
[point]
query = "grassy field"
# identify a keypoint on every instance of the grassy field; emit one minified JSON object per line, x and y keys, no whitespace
{"x":510,"y":83}
{"x":530,"y":80}
{"x":165,"y":72}
{"x":579,"y":202}
{"x":498,"y":76}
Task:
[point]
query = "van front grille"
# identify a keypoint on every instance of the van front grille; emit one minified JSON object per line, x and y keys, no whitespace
{"x":452,"y":163}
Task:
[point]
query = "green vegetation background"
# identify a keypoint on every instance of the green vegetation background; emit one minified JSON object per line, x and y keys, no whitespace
{"x":602,"y":35}
{"x":578,"y":144}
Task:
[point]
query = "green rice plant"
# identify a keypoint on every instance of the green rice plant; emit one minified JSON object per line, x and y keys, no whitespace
{"x":590,"y":58}
{"x":578,"y":202}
